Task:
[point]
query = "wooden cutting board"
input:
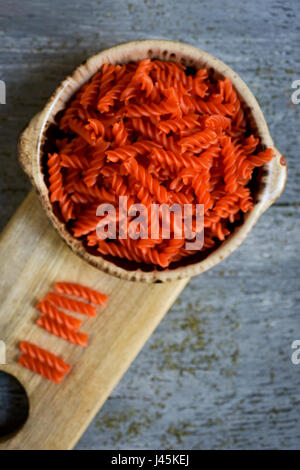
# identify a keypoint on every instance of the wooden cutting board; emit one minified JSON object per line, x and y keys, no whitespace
{"x":33,"y":257}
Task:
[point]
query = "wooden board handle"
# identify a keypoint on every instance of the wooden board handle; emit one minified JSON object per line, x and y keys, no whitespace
{"x":59,"y":414}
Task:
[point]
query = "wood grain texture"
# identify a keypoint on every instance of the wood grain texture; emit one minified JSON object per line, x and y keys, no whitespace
{"x":116,"y":335}
{"x":217,"y":372}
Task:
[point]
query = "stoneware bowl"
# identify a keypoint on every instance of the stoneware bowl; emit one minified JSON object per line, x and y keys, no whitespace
{"x":268,"y":187}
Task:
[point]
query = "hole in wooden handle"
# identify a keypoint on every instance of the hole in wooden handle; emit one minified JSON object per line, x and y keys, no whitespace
{"x":14,"y":410}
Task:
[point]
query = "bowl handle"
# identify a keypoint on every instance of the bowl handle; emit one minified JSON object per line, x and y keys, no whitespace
{"x":277,"y":178}
{"x":28,"y":148}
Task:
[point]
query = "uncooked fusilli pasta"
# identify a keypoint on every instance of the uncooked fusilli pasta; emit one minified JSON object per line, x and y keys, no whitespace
{"x":78,"y":290}
{"x":48,"y":309}
{"x":41,"y":368}
{"x":45,"y":357}
{"x":56,"y":329}
{"x":70,"y":304}
{"x":155,"y":132}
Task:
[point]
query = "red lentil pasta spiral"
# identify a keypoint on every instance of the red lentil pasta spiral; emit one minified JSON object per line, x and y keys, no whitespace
{"x":53,"y":327}
{"x":45,"y":357}
{"x":155,"y":132}
{"x":41,"y":368}
{"x":70,"y":304}
{"x":60,"y":317}
{"x":78,"y":290}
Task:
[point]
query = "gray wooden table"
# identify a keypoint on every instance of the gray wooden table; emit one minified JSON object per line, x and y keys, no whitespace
{"x":217,"y":373}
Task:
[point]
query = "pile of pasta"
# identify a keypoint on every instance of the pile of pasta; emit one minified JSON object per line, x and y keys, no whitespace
{"x":67,"y":297}
{"x":157,"y":133}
